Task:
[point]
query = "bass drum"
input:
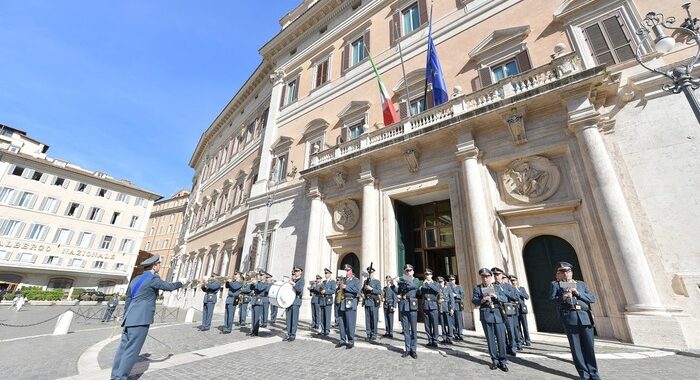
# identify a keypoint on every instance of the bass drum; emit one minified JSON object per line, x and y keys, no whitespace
{"x":282,"y":294}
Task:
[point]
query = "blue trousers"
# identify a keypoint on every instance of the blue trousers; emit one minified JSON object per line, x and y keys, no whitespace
{"x":207,"y":314}
{"x":108,"y":314}
{"x":128,"y":351}
{"x":582,"y":350}
{"x":266,"y":307}
{"x":346,"y":325}
{"x":229,"y":316}
{"x":524,"y":330}
{"x":496,"y":341}
{"x":409,"y":323}
{"x":431,"y":324}
{"x":273,"y":314}
{"x":512,"y":335}
{"x":292,"y":320}
{"x":243,"y":314}
{"x":457,"y":323}
{"x":257,"y":318}
{"x":314,"y":315}
{"x":371,"y":321}
{"x":446,"y":322}
{"x":326,"y":311}
{"x":389,"y":320}
{"x":336,"y":311}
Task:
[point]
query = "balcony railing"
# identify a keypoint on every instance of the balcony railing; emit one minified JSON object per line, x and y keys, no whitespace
{"x":560,"y":67}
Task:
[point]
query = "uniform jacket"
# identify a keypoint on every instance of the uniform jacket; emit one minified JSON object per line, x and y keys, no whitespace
{"x":265,"y":294}
{"x":449,"y":304}
{"x":458,"y":294}
{"x":210,"y":290}
{"x":299,"y":289}
{"x":256,"y":291}
{"x":406,"y":292}
{"x":567,"y":307}
{"x":234,"y":289}
{"x":315,"y":293}
{"x":139,"y":311}
{"x":350,"y":294}
{"x":376,"y":292}
{"x":113,"y":303}
{"x":329,"y":286}
{"x":430,"y":291}
{"x":245,"y":290}
{"x":390,"y":297}
{"x":486,"y":313}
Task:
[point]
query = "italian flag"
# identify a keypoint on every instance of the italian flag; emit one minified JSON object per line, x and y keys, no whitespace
{"x":388,"y":109}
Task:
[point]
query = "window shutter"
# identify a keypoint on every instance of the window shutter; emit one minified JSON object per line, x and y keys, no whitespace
{"x":33,"y":201}
{"x":13,"y":198}
{"x":284,"y":92}
{"x":83,"y":264}
{"x":43,"y":203}
{"x":70,"y":238}
{"x":44,"y":177}
{"x":366,"y":41}
{"x":599,"y":47}
{"x":45,"y":232}
{"x":78,"y":211}
{"x":485,"y":76}
{"x":346,"y":57}
{"x":27,"y":173}
{"x":429,"y":100}
{"x":523,"y":61}
{"x":296,"y":88}
{"x":46,"y":260}
{"x":55,"y":206}
{"x":19,"y":256}
{"x":60,"y":261}
{"x":65,"y":183}
{"x":70,"y":263}
{"x":19,"y":230}
{"x":394,"y":28}
{"x":108,"y":194}
{"x":88,"y":188}
{"x":33,"y":258}
{"x":423,"y":11}
{"x":619,"y":38}
{"x":100,"y":214}
{"x":12,"y":168}
{"x":92,"y":239}
{"x":403,"y":110}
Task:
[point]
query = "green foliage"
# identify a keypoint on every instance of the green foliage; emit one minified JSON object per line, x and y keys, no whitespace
{"x":76,"y":292}
{"x":35,"y":293}
{"x":9,"y":296}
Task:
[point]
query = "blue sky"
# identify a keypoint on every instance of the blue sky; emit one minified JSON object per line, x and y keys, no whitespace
{"x":127,"y":87}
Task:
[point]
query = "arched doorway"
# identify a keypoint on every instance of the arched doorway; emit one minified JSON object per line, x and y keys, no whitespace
{"x":353,"y":260}
{"x":540,"y":256}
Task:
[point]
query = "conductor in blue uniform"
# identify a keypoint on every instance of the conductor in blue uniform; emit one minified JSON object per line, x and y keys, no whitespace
{"x":138,"y":315}
{"x":297,"y":282}
{"x":574,"y":302}
{"x":348,"y":309}
{"x":210,"y":289}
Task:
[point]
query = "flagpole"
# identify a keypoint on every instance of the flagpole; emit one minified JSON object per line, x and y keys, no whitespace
{"x":403,"y":69}
{"x":427,"y":64}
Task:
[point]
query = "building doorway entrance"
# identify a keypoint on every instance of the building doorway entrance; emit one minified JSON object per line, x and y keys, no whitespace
{"x":540,"y":256}
{"x":354,"y":262}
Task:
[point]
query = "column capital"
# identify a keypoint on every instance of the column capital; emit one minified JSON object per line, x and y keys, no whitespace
{"x":580,"y":110}
{"x":277,"y":77}
{"x":467,"y":150}
{"x":314,"y":190}
{"x":366,"y":173}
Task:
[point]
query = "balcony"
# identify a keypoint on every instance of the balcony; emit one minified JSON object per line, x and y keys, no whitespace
{"x":559,"y":72}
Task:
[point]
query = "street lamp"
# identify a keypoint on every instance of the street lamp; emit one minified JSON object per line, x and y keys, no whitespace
{"x":680,"y":76}
{"x":270,"y":200}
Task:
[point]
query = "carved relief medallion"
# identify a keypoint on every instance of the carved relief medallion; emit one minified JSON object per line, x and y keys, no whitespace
{"x":532,"y":179}
{"x":346,"y":214}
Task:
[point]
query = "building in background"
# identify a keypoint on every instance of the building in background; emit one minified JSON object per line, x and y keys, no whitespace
{"x":164,"y":228}
{"x":64,"y":227}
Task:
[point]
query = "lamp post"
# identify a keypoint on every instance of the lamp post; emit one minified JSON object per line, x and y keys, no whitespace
{"x":680,"y":76}
{"x":268,"y":204}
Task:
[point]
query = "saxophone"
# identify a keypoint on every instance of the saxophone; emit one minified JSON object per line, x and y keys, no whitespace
{"x":340,"y":294}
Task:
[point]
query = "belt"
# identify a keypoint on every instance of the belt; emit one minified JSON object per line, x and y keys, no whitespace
{"x":429,"y":297}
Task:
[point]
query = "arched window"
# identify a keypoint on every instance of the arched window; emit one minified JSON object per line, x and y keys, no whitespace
{"x":351,"y":259}
{"x":60,"y":283}
{"x":106,"y":286}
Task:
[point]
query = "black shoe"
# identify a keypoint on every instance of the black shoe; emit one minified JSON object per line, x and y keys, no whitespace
{"x":493,"y":366}
{"x":249,"y":334}
{"x":291,"y":339}
{"x":263,"y":325}
{"x":350,"y":345}
{"x":503,"y":367}
{"x":528,"y":344}
{"x":373,"y":338}
{"x":414,"y":355}
{"x":285,"y":339}
{"x":386,"y":335}
{"x":511,"y":353}
{"x":340,"y":344}
{"x":405,"y":353}
{"x":448,"y":341}
{"x":367,"y":339}
{"x":226,"y":332}
{"x":390,"y":336}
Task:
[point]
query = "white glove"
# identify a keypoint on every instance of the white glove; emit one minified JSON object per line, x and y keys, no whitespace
{"x":184,"y":280}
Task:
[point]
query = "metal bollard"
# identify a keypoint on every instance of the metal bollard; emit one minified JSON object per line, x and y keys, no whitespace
{"x":63,"y":323}
{"x":189,"y":317}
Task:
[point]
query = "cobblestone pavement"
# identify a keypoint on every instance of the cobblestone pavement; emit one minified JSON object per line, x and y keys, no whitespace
{"x":181,"y":351}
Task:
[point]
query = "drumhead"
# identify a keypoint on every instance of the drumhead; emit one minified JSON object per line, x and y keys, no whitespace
{"x":282,"y":294}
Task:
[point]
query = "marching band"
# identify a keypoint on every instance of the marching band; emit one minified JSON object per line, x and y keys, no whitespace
{"x":499,"y":299}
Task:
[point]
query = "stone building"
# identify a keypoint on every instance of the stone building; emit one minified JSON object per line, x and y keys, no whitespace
{"x":164,"y":228}
{"x":554,"y":145}
{"x":62,"y":226}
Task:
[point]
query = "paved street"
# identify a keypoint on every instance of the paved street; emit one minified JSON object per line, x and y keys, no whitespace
{"x":176,"y":350}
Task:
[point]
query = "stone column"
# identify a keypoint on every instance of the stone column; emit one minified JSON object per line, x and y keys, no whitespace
{"x":312,"y":263}
{"x":479,"y":225}
{"x":370,"y":220}
{"x":260,"y":187}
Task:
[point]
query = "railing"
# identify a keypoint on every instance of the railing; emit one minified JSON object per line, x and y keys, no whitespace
{"x":560,"y":67}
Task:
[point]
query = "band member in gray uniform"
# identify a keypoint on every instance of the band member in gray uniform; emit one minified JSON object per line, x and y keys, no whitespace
{"x":297,"y":282}
{"x":457,"y":320}
{"x":210,"y":289}
{"x":138,"y":315}
{"x":371,"y":291}
{"x":509,"y":309}
{"x":348,"y":309}
{"x":521,"y":327}
{"x":111,"y":306}
{"x":257,"y":288}
{"x":315,"y":293}
{"x":244,"y":300}
{"x":574,"y":302}
{"x":488,"y":297}
{"x":430,"y":291}
{"x":234,"y":290}
{"x":328,"y":288}
{"x":407,"y":293}
{"x":446,"y":310}
{"x":266,"y":299}
{"x":389,"y":304}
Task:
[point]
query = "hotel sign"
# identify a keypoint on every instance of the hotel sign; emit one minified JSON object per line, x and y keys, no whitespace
{"x":18,"y":246}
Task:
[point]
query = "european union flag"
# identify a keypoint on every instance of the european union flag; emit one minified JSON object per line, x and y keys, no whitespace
{"x":433,"y":73}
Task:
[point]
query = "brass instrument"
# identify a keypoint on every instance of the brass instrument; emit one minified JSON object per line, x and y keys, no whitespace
{"x":340,"y":294}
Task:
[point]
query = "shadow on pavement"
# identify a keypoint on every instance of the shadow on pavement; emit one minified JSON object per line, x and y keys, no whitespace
{"x":539,"y":367}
